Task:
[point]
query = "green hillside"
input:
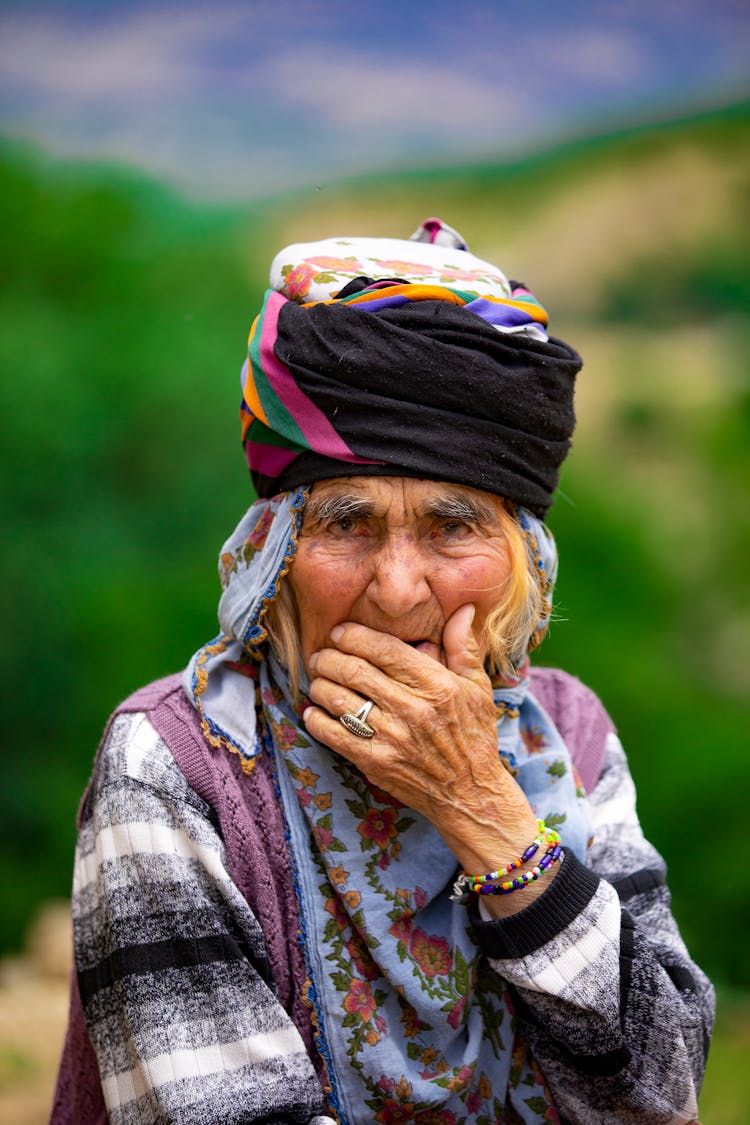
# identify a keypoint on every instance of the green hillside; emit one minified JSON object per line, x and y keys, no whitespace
{"x":125,"y":312}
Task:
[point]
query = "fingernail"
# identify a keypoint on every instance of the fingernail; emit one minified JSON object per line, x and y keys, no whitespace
{"x":305,"y":713}
{"x":337,"y":632}
{"x":313,"y":661}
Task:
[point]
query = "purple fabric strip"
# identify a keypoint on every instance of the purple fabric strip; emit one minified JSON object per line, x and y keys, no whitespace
{"x":506,"y":316}
{"x":395,"y":301}
{"x":270,"y":460}
{"x":492,"y":312}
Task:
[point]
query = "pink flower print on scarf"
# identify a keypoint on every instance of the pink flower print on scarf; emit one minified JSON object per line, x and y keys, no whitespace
{"x":298,"y":281}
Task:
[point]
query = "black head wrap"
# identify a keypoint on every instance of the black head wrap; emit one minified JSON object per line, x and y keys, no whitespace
{"x":420,"y":387}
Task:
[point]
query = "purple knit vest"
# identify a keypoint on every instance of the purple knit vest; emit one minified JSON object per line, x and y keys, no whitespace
{"x":252,"y":828}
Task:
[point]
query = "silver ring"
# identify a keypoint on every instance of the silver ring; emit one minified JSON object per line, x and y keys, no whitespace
{"x":357,"y":724}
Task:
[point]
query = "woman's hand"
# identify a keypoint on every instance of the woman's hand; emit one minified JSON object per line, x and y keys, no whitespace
{"x":435,"y":742}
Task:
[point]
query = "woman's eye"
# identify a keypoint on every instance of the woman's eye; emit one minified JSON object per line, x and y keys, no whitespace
{"x":454,"y":529}
{"x":346,"y":525}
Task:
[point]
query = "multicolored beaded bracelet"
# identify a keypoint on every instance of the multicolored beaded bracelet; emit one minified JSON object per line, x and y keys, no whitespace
{"x":524,"y":878}
{"x":545,"y":836}
{"x":487,"y":884}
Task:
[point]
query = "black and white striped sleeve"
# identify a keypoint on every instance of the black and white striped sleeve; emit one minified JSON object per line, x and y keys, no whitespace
{"x":171,"y":962}
{"x":615,"y":1012}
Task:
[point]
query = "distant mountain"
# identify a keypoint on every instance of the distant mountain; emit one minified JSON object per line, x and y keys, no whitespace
{"x":614,"y":226}
{"x":647,"y":222}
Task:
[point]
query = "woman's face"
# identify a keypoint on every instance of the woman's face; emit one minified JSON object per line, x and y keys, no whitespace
{"x":398,"y":555}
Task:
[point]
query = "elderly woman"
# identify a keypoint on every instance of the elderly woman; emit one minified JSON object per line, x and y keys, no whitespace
{"x":362,"y":864}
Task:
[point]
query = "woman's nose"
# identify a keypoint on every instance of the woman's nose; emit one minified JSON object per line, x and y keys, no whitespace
{"x":399,"y":578}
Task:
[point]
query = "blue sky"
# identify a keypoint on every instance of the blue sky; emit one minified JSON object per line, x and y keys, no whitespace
{"x":231,"y":100}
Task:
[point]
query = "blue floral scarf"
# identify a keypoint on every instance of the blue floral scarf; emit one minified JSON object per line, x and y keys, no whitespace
{"x":412,"y":1022}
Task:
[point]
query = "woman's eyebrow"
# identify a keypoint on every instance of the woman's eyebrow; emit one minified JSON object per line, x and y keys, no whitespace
{"x":338,"y":507}
{"x":466,"y":508}
{"x":469,"y":509}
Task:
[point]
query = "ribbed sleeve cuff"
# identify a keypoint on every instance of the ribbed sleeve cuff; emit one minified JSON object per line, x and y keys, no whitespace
{"x":567,"y":895}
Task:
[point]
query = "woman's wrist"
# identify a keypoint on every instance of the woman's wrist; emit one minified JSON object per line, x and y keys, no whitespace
{"x":520,"y":857}
{"x":504,"y":906}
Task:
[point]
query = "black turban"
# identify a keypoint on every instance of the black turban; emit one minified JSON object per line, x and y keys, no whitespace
{"x":421,"y":388}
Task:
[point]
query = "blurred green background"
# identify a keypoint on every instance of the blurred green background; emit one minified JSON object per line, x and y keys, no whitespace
{"x":124,"y":317}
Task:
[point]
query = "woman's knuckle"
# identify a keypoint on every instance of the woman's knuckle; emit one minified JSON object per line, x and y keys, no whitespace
{"x":447,"y":696}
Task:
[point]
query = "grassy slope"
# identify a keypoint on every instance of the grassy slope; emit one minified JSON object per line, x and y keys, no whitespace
{"x":124,"y":312}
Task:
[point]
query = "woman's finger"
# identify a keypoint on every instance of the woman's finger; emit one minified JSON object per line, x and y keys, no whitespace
{"x":398,"y":659}
{"x":361,"y":752}
{"x":462,"y":655}
{"x":324,"y":728}
{"x":359,"y":675}
{"x":413,"y":779}
{"x":337,"y":701}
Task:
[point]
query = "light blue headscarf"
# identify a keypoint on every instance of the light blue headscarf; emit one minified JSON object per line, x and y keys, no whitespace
{"x":412,"y":1023}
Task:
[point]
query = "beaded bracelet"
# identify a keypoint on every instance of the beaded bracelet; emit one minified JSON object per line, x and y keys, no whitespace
{"x":478,"y":883}
{"x":544,"y":835}
{"x":524,"y":878}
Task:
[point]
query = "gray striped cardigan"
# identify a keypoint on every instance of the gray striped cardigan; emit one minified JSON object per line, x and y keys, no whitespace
{"x":187,"y":1003}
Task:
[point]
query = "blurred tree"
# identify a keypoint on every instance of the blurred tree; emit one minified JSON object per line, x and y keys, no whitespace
{"x":123,"y":313}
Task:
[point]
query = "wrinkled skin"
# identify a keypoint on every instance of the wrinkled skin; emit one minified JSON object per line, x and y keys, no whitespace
{"x":394,"y":579}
